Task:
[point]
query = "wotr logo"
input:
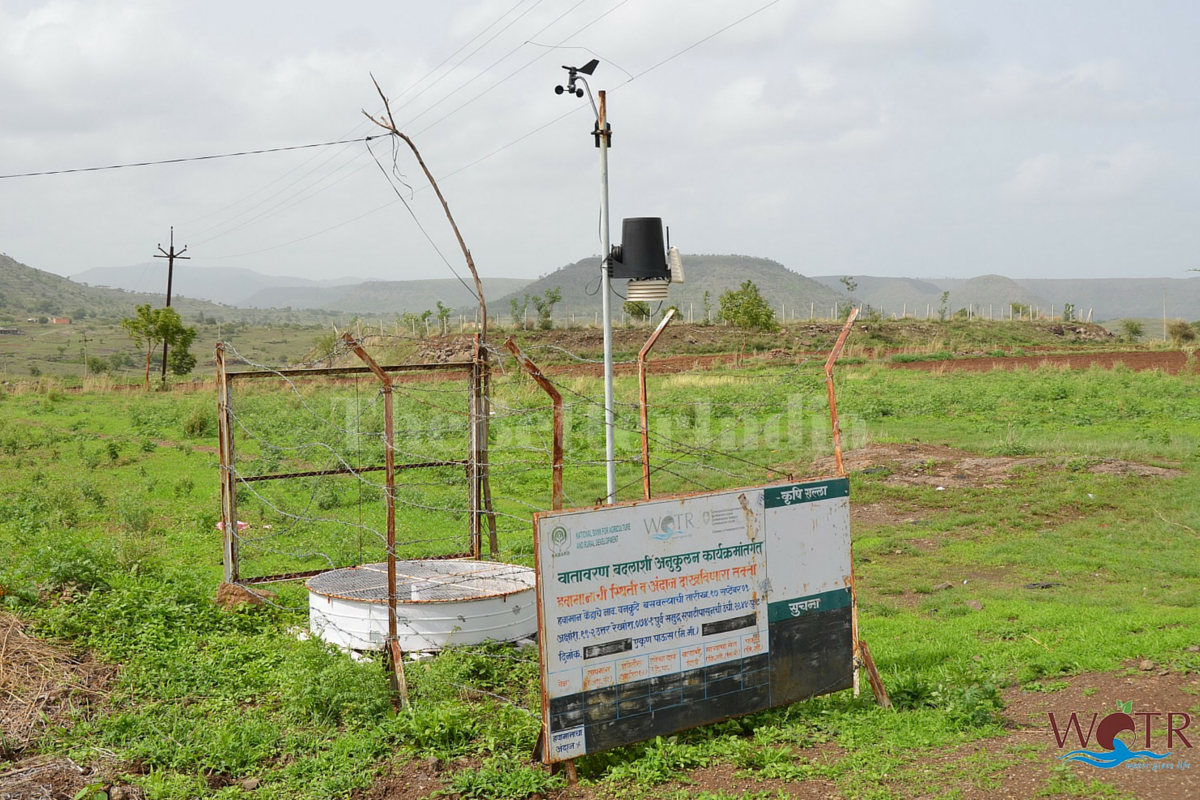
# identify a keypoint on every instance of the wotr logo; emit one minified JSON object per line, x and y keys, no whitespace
{"x":1115,"y":752}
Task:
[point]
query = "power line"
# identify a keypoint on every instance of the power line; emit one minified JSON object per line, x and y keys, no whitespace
{"x":492,"y":66}
{"x":186,"y":159}
{"x":413,"y":214}
{"x":512,"y":74}
{"x":353,"y":129}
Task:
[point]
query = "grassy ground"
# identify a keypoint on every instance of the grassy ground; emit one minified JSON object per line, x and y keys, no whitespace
{"x":109,"y":502}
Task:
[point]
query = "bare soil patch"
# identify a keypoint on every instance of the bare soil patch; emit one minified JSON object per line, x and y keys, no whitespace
{"x":43,"y":685}
{"x":1085,"y":695}
{"x":935,"y":465}
{"x":1170,"y":362}
{"x":926,"y":465}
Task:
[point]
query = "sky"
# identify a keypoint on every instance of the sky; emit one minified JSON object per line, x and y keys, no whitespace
{"x":872,"y":137}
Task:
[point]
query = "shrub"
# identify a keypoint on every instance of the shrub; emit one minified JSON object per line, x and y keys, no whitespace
{"x":1180,"y":332}
{"x":745,"y":307}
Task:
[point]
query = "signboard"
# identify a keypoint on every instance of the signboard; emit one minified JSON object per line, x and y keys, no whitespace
{"x":667,"y":614}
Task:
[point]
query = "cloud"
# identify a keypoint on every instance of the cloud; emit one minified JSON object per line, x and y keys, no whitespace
{"x":1050,"y":177}
{"x":810,"y":108}
{"x":1092,"y":89}
{"x":875,"y":22}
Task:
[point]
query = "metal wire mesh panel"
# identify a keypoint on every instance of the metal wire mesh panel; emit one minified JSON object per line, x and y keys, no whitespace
{"x":304,"y":457}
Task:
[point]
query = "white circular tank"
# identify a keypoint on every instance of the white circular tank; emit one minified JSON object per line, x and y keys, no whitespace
{"x":440,"y":603}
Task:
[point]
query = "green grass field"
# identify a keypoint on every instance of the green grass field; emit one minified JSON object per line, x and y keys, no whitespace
{"x":109,"y":501}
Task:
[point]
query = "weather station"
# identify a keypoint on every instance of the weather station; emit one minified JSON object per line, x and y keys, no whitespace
{"x":644,"y":258}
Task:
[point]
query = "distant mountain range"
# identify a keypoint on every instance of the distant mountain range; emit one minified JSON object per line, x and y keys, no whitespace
{"x":230,"y":286}
{"x":245,"y":293}
{"x":26,"y":291}
{"x":1106,"y":298}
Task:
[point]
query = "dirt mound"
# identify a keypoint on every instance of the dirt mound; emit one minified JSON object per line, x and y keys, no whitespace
{"x":936,"y":465}
{"x":42,"y":685}
{"x":232,"y":595}
{"x":926,"y":465}
{"x":46,"y":778}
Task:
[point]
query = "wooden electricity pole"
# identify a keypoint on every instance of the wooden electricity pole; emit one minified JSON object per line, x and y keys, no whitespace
{"x":170,"y":256}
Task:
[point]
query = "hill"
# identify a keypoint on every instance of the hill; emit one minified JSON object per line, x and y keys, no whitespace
{"x":703,"y":273}
{"x":1106,"y":298}
{"x":385,"y":297}
{"x":26,"y":292}
{"x":227,"y":285}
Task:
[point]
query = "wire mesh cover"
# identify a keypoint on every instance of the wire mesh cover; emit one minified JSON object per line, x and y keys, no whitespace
{"x":424,"y":581}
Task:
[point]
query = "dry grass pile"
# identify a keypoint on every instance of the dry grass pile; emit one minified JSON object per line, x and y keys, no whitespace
{"x":42,"y":685}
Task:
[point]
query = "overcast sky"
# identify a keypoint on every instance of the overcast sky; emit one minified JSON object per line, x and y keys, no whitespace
{"x":870,"y":137}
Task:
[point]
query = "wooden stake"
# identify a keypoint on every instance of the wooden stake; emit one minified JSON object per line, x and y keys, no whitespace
{"x":868,"y":664}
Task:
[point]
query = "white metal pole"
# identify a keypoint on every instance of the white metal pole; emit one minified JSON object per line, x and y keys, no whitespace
{"x":610,"y":450}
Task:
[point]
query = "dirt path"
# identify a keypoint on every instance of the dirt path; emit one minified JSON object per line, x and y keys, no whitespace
{"x":1171,"y":362}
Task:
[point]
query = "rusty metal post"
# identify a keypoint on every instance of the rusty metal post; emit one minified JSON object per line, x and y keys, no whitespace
{"x":862,"y":655}
{"x":474,"y":485}
{"x":877,"y":688}
{"x":645,"y":422}
{"x":389,"y":440}
{"x":556,"y":491}
{"x":485,"y":372}
{"x":229,"y":531}
{"x":478,"y":472}
{"x":833,"y":416}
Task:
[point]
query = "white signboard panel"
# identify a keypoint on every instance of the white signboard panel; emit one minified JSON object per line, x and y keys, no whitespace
{"x":663,"y":615}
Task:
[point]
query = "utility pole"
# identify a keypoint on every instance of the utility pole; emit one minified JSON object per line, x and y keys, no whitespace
{"x":170,"y":256}
{"x":85,"y":363}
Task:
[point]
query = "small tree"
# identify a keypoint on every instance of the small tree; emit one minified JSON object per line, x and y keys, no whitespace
{"x":1019,"y":309}
{"x":1132,"y":329}
{"x":1068,"y":312}
{"x":443,"y":315}
{"x":545,"y":307}
{"x":745,"y":307}
{"x":849,"y":283}
{"x":944,"y":306}
{"x":180,"y":360}
{"x":637,"y":310}
{"x":707,"y":308}
{"x":152,"y":327}
{"x":518,"y":311}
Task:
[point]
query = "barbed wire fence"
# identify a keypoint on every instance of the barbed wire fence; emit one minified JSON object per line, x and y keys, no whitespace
{"x":307,"y":474}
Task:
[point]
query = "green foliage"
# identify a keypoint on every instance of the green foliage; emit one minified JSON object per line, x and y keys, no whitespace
{"x":322,"y":685}
{"x":518,"y":311}
{"x":325,"y":345}
{"x":1180,"y":332}
{"x":200,"y":422}
{"x":153,"y":327}
{"x":544,"y":306}
{"x":944,"y":306}
{"x":745,"y":308}
{"x":443,"y":316}
{"x":506,"y":777}
{"x":849,"y":283}
{"x":1068,"y":313}
{"x":708,"y":307}
{"x":637,"y":310}
{"x":1132,"y":329}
